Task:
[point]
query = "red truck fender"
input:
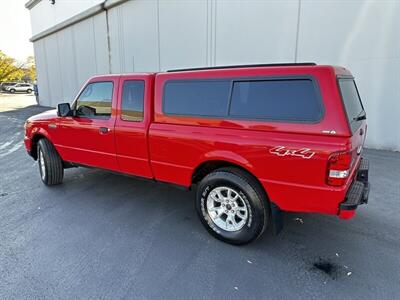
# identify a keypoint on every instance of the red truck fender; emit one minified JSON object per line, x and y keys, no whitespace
{"x":223,"y":156}
{"x":36,"y":134}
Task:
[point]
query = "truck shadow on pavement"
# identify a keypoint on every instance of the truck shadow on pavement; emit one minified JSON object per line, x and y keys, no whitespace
{"x":323,"y":246}
{"x":21,"y":113}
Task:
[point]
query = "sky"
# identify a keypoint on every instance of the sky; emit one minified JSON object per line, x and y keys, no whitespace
{"x":15,"y":29}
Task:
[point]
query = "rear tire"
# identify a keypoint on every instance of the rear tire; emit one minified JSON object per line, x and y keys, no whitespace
{"x":232,"y":206}
{"x":50,"y":163}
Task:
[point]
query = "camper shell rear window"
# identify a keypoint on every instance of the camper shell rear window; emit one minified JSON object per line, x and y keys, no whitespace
{"x":352,"y":102}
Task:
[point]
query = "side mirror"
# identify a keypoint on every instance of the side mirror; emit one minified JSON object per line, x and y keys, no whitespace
{"x":64,"y":110}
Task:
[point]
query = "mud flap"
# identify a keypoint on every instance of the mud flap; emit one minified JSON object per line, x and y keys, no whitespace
{"x":276,"y":218}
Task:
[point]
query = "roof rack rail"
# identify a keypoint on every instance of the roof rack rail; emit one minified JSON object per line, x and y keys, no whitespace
{"x":245,"y":66}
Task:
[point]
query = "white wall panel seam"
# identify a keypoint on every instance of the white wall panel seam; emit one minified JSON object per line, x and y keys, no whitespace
{"x":47,"y":73}
{"x":212,"y":32}
{"x":108,"y":42}
{"x":297,"y":30}
{"x":42,"y":72}
{"x":158,"y":36}
{"x":120,"y":50}
{"x":122,"y":39}
{"x":94,"y":46}
{"x":215,"y":32}
{"x":207,"y":32}
{"x":74,"y":56}
{"x":60,"y":73}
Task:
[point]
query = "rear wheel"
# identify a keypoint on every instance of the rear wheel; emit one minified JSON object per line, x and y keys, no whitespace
{"x":29,"y":91}
{"x":50,"y":163}
{"x":232,"y":206}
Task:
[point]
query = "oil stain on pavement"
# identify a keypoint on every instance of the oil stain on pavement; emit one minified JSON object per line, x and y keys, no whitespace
{"x":325,"y":266}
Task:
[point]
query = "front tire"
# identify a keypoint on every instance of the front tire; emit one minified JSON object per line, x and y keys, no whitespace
{"x":12,"y":91}
{"x":29,"y":91}
{"x":232,"y":206}
{"x":50,"y":163}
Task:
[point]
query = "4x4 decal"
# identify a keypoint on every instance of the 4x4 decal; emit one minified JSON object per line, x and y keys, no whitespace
{"x":305,"y":153}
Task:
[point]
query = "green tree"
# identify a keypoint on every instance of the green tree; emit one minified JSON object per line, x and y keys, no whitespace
{"x":12,"y":70}
{"x":9,"y":68}
{"x":30,"y":68}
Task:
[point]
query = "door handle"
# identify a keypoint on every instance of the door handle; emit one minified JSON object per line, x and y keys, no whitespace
{"x":104,"y":130}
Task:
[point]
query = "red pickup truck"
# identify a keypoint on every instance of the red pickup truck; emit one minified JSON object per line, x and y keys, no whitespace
{"x":254,"y":141}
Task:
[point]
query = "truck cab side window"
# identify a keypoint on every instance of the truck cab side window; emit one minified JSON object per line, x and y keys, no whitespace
{"x":132,"y":101}
{"x":95,"y":100}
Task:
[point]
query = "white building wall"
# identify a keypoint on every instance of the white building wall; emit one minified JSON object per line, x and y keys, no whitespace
{"x":152,"y":35}
{"x":363,"y":36}
{"x":41,"y":70}
{"x":183,"y":33}
{"x":69,"y":74}
{"x":133,"y":30}
{"x":255,"y":31}
{"x":66,"y":59}
{"x":90,"y":47}
{"x":44,"y":15}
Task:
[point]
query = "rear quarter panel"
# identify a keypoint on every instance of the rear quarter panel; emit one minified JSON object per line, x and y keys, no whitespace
{"x":178,"y":144}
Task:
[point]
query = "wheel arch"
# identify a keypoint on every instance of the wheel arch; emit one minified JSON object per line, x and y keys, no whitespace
{"x":35,"y":139}
{"x":208,"y":166}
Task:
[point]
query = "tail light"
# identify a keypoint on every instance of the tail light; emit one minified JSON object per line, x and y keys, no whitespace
{"x":338,"y":168}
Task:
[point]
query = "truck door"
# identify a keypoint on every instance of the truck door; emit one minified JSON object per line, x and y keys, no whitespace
{"x":131,"y":125}
{"x":88,"y":137}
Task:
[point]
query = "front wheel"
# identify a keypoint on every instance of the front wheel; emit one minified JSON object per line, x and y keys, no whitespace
{"x":50,"y":163}
{"x":12,"y":91}
{"x":232,"y":206}
{"x":29,"y":91}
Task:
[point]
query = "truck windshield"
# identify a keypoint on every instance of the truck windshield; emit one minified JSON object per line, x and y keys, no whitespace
{"x":352,"y":102}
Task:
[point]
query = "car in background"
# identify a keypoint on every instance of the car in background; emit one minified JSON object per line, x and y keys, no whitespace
{"x":20,"y":87}
{"x":4,"y":85}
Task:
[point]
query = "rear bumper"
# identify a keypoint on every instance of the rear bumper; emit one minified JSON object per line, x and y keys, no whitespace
{"x":358,"y":192}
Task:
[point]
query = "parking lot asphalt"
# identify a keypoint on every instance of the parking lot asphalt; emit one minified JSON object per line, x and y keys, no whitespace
{"x":101,"y":235}
{"x":15,"y":101}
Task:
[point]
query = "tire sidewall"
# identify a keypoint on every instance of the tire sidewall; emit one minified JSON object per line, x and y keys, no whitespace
{"x":40,"y":150}
{"x":255,"y":220}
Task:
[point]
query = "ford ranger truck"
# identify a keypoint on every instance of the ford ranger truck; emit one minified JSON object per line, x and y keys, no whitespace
{"x":254,"y":141}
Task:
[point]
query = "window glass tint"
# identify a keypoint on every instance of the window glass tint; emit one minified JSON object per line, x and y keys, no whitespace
{"x":132,"y":100}
{"x":95,"y":100}
{"x":197,"y":97}
{"x":351,"y":99}
{"x":290,"y":99}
